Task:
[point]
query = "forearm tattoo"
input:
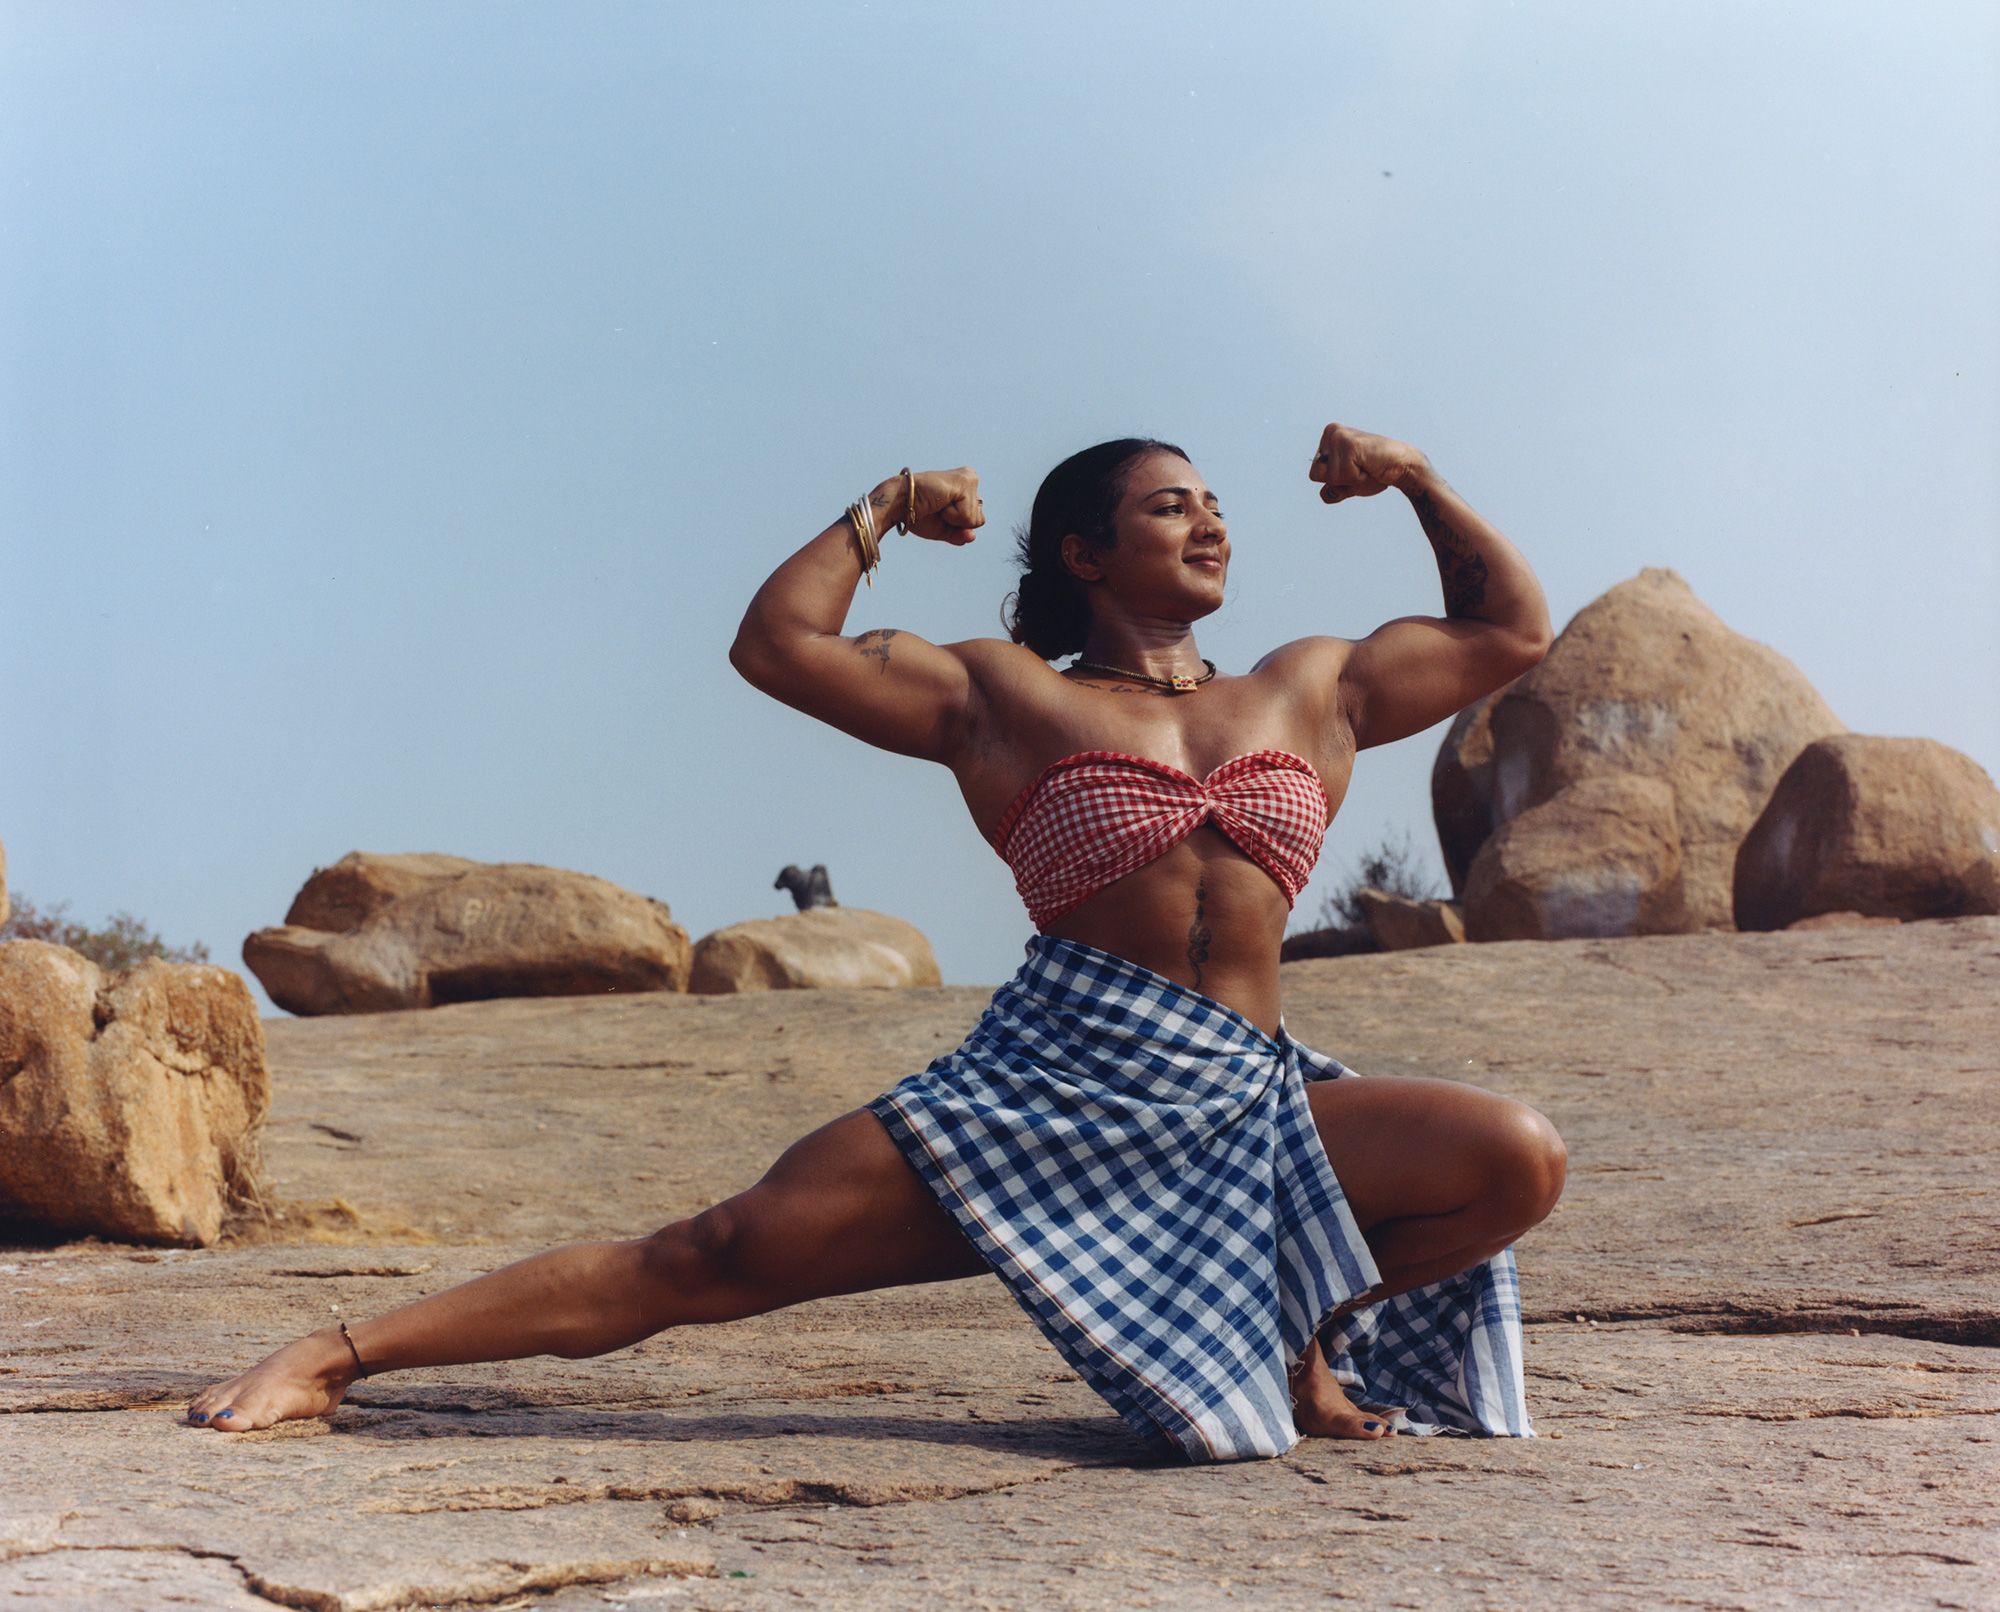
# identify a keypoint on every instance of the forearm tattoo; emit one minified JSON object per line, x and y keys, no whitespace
{"x":1199,"y":934}
{"x":1461,"y":566}
{"x":875,"y":641}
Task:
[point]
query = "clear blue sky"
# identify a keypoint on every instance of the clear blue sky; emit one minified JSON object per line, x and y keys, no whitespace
{"x":402,"y":402}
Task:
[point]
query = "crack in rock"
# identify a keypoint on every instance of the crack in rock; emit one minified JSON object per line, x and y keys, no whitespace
{"x":700,"y":1502}
{"x":264,"y":1589}
{"x":333,"y":1130}
{"x":1870,"y":1413}
{"x":92,"y":1402}
{"x":526,"y":1580}
{"x":1928,"y":1556}
{"x":1884,"y":1318}
{"x":1912,"y":1365}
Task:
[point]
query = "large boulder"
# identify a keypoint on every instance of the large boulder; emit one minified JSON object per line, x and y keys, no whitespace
{"x":1644,"y":680}
{"x":822,"y":946}
{"x":1462,"y":788}
{"x":130,"y":1104}
{"x":1602,"y":858}
{"x":1889,"y":828}
{"x":346,"y":895}
{"x":423,"y":931}
{"x":1402,"y":923}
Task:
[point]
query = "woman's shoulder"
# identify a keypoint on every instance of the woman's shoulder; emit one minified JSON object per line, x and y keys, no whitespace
{"x":1306,"y":657}
{"x":1000,"y":658}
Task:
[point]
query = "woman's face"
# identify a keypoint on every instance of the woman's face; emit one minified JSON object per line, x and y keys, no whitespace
{"x":1172,"y":553}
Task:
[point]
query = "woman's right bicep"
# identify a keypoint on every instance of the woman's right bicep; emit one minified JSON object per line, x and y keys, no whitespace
{"x":885,"y":686}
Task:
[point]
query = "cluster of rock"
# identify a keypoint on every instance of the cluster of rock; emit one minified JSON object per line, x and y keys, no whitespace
{"x":130,"y":1103}
{"x":377,"y":933}
{"x":1658,"y":773}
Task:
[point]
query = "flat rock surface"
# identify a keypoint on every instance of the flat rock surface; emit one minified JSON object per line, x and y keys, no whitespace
{"x":1762,"y":1324}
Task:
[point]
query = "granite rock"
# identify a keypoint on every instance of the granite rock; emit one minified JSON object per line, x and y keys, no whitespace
{"x":130,"y":1103}
{"x":1644,"y":680}
{"x":1761,"y":1325}
{"x":818,"y":948}
{"x":1401,"y":923}
{"x":426,"y":930}
{"x":1894,"y":828}
{"x":1603,"y":857}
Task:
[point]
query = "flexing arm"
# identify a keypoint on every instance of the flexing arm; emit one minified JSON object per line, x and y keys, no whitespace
{"x":1417,"y":670}
{"x":886,"y":686}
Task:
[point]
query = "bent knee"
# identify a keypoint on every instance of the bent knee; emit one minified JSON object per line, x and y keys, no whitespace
{"x":1531,"y":1164}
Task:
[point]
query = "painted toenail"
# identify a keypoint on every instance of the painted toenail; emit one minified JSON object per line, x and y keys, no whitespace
{"x":197,"y":1416}
{"x":220,"y":1414}
{"x":1371,"y":1426}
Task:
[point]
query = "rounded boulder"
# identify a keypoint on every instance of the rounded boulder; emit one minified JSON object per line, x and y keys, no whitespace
{"x":1887,"y":828}
{"x":822,"y":947}
{"x":1603,"y":858}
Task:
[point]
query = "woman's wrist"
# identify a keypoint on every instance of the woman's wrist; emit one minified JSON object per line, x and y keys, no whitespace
{"x":1413,"y":473}
{"x":890,"y":501}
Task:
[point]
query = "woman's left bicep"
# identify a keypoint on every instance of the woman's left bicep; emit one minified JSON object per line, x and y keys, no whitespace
{"x":1415,"y":671}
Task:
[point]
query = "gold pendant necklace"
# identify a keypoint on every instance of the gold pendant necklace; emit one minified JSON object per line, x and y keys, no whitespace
{"x":1178,"y":684}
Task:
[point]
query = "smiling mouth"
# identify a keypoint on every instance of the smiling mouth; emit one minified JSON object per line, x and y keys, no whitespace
{"x":1207,"y":560}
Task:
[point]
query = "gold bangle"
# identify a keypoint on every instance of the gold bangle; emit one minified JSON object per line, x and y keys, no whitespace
{"x":860,"y":540}
{"x":871,"y":550}
{"x":909,"y":522}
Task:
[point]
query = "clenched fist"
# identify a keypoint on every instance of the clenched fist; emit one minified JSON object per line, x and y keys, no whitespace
{"x":948,"y":506}
{"x":1359,"y":464}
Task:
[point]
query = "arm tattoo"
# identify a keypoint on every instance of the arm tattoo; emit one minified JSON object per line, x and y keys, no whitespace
{"x":879,"y":498}
{"x":1459,"y":563}
{"x":1199,"y":934}
{"x":875,"y":641}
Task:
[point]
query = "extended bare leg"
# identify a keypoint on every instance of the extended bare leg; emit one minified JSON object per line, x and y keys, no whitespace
{"x":1440,"y":1176}
{"x":840,"y":1212}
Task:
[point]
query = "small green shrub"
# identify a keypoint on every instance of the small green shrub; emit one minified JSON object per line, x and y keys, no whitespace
{"x":124,"y":941}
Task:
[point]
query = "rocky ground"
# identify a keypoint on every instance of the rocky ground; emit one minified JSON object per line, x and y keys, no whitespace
{"x":1764,"y":1340}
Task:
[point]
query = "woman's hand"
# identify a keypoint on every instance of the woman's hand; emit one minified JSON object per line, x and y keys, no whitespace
{"x":948,"y":506}
{"x":1359,"y":464}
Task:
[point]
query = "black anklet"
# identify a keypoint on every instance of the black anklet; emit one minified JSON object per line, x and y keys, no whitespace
{"x":363,"y":1370}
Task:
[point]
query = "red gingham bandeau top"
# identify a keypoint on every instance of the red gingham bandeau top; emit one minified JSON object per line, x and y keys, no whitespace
{"x":1095,"y":816}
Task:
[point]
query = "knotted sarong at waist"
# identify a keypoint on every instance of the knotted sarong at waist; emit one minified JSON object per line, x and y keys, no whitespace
{"x":1139,"y":1164}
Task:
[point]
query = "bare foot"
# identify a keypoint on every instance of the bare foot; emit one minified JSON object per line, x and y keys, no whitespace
{"x":307,"y":1378}
{"x":1319,"y":1407}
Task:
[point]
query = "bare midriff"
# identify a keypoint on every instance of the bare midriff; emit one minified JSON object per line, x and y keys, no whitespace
{"x":1204,"y":915}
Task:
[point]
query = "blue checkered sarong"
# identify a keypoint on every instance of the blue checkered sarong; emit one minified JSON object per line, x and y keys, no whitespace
{"x":1139,"y":1164}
